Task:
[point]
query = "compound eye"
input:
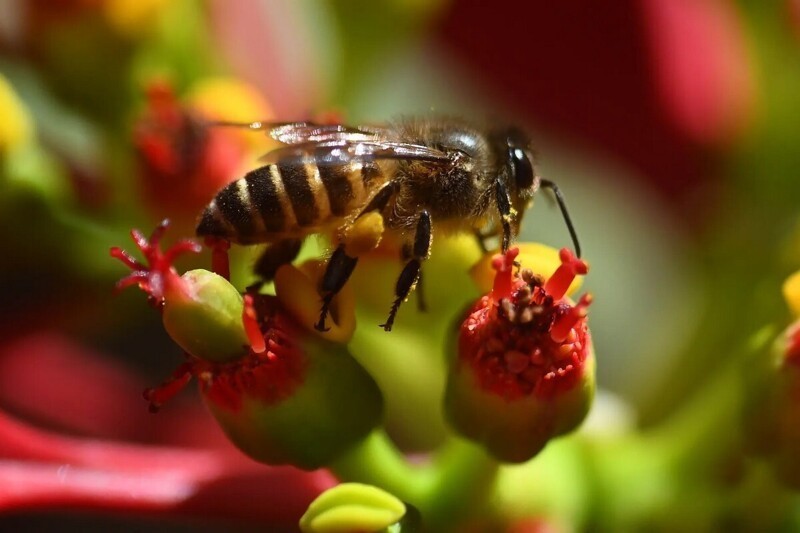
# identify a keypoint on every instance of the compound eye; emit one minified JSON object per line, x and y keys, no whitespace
{"x":523,"y":168}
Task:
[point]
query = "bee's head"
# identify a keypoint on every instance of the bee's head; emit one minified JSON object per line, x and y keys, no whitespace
{"x":521,"y":180}
{"x":514,"y":148}
{"x":522,"y":174}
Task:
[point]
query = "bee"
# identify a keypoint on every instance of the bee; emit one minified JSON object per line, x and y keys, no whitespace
{"x":415,"y":172}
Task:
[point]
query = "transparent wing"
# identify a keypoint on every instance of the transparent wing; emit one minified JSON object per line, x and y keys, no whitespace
{"x":340,"y":152}
{"x":293,"y":133}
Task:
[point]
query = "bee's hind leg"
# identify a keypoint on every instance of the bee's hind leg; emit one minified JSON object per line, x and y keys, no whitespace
{"x":411,"y":272}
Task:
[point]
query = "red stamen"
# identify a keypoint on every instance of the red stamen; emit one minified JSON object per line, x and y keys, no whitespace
{"x":504,"y":266}
{"x":251,"y":326}
{"x":220,"y":264}
{"x":158,"y":272}
{"x":557,"y":285}
{"x":564,"y":324}
{"x":793,"y":346}
{"x":160,"y":395}
{"x":130,"y":279}
{"x":181,"y":247}
{"x":126,"y":258}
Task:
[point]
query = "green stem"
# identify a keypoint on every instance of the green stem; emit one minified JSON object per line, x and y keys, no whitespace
{"x":464,"y":481}
{"x":457,"y":483}
{"x":377,"y":461}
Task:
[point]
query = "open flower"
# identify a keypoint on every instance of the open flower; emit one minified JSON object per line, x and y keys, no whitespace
{"x":524,"y":369}
{"x":282,"y":393}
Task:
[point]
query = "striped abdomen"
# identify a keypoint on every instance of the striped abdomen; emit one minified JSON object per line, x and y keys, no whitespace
{"x":287,"y":200}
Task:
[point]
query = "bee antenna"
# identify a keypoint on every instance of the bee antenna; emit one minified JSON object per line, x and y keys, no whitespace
{"x":564,"y":212}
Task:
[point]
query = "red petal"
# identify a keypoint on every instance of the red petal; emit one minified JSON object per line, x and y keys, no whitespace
{"x":701,"y":66}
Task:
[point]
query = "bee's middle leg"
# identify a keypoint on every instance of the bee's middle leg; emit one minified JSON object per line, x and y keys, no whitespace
{"x":411,"y":272}
{"x":339,"y":269}
{"x":341,"y":264}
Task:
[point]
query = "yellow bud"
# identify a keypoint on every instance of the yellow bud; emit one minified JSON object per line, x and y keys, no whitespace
{"x":131,"y":18}
{"x":230,"y":99}
{"x":16,"y":127}
{"x":539,"y":258}
{"x":791,"y":291}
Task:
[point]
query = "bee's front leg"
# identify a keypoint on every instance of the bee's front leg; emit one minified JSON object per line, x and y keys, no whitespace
{"x":504,"y":207}
{"x":411,"y":272}
{"x":405,"y":256}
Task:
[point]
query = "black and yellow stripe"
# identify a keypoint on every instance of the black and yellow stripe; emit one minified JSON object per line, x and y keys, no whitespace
{"x":287,"y":199}
{"x":298,"y":189}
{"x":336,"y":180}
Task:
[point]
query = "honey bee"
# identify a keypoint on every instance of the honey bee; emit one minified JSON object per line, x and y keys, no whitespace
{"x":415,"y":173}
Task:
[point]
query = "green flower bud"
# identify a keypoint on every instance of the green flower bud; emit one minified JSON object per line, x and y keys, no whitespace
{"x":304,"y":401}
{"x":524,"y":366}
{"x":358,"y":507}
{"x":203,"y":315}
{"x":201,"y":310}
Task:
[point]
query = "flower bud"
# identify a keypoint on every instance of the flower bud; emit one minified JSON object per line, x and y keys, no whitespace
{"x":304,"y":401}
{"x":202,"y":311}
{"x":772,"y":410}
{"x":282,"y":394}
{"x":183,"y":160}
{"x":16,"y":128}
{"x":524,"y":366}
{"x":358,"y":507}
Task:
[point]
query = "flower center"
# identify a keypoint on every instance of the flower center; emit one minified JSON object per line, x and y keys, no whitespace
{"x":269,"y":373}
{"x":521,"y":340}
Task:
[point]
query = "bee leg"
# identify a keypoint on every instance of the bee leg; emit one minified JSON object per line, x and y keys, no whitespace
{"x":411,"y":272}
{"x":220,"y":264}
{"x":341,"y":265}
{"x":276,"y":255}
{"x":481,"y":238}
{"x":339,"y":269}
{"x":422,"y":304}
{"x":504,"y":206}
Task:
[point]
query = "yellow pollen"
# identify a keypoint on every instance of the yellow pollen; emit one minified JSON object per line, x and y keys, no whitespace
{"x":791,"y":291}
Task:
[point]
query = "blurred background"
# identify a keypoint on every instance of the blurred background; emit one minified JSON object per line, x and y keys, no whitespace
{"x":671,"y":126}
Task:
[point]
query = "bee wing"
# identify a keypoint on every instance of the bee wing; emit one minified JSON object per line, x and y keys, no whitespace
{"x":294,"y":133}
{"x":344,"y":152}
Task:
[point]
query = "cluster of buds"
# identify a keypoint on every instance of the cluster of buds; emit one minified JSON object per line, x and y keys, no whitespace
{"x":523,"y":371}
{"x":283,"y":394}
{"x":772,"y":410}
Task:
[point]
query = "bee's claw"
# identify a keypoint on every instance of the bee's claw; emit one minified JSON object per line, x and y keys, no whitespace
{"x":320,"y":326}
